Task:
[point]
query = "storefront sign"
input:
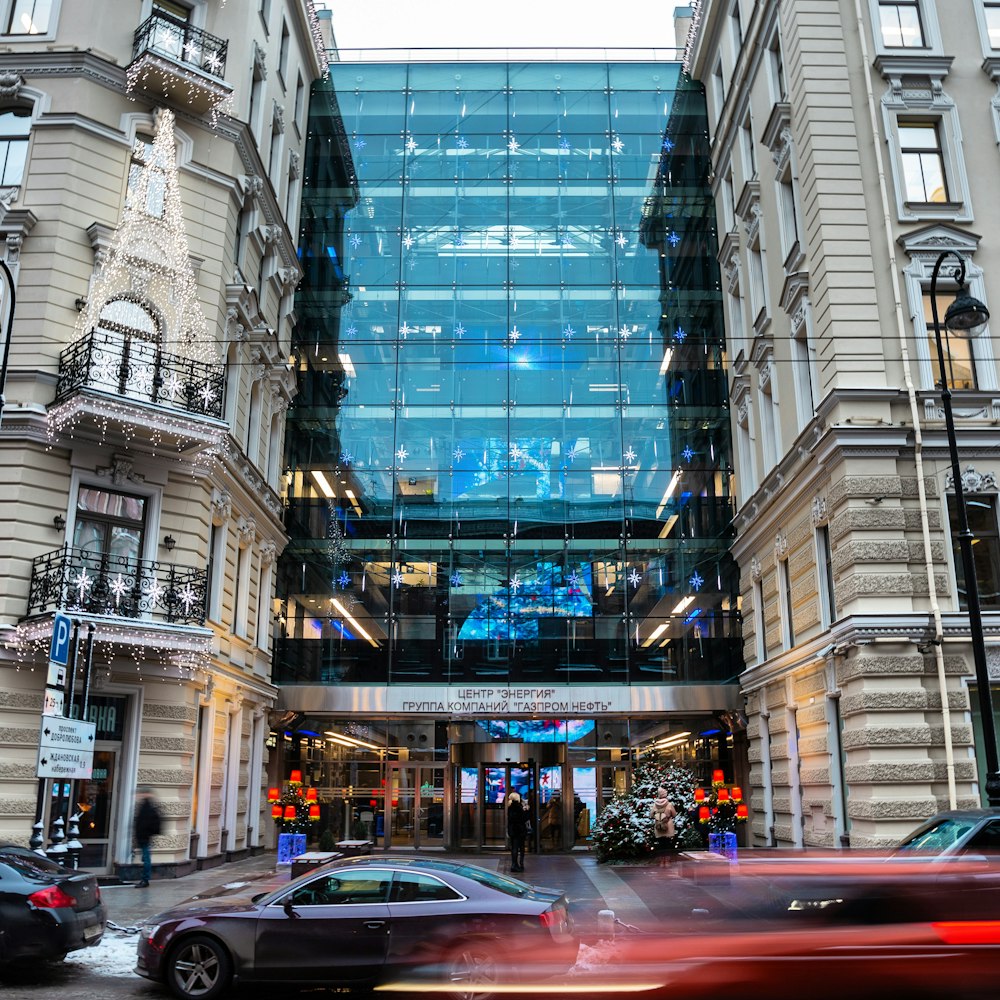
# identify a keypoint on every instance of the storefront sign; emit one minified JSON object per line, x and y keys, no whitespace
{"x":106,"y":712}
{"x":501,"y":701}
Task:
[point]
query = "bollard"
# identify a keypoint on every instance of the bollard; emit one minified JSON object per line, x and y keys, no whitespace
{"x":606,"y":923}
{"x":57,"y":842}
{"x":73,"y":845}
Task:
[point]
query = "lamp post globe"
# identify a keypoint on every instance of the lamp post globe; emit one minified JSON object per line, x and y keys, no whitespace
{"x":966,"y":317}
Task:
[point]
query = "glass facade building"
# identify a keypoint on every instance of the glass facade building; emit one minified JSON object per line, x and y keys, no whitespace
{"x":508,"y":466}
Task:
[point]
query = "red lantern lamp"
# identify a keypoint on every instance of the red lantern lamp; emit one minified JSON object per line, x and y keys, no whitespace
{"x":723,"y":795}
{"x":703,"y":814}
{"x":273,"y":794}
{"x":718,"y":778}
{"x":699,"y":795}
{"x":742,"y":811}
{"x":289,"y":812}
{"x":276,"y":811}
{"x":311,"y":795}
{"x":314,"y":811}
{"x":737,"y":793}
{"x":295,"y":778}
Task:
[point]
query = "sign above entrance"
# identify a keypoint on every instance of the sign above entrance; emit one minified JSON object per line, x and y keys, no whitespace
{"x":508,"y":700}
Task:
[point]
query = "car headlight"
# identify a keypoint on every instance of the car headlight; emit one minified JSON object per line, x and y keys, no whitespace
{"x":148,"y":931}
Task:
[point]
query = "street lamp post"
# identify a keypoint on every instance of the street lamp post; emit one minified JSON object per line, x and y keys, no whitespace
{"x":9,"y":280}
{"x":966,"y":317}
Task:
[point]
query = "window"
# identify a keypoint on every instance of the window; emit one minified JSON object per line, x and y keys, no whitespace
{"x":216,"y":569}
{"x":788,"y":626}
{"x":749,"y":155}
{"x":718,"y":91}
{"x":155,"y":179}
{"x":127,"y":336}
{"x":779,"y":89}
{"x":986,"y":839}
{"x":15,"y":127}
{"x":109,"y":526}
{"x":981,"y":511}
{"x":300,"y":102}
{"x":29,"y":17}
{"x":991,"y":11}
{"x":900,"y":24}
{"x":737,"y":27}
{"x":265,"y":11}
{"x":788,"y":212}
{"x":759,"y":622}
{"x":241,"y":592}
{"x":958,"y":357}
{"x":283,"y":53}
{"x":824,"y":563}
{"x":341,"y":888}
{"x":923,"y":162}
{"x":413,"y":887}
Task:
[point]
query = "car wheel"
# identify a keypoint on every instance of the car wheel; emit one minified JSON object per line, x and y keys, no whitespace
{"x":199,"y":968}
{"x":473,"y":973}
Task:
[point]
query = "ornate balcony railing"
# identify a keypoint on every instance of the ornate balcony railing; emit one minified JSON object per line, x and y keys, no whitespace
{"x":79,"y":580}
{"x":137,"y":369}
{"x":169,"y":36}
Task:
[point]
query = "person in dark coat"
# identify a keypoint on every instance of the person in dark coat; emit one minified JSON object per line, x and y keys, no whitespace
{"x":517,"y":830}
{"x":147,"y":826}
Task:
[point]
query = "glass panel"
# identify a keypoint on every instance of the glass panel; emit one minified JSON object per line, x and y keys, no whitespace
{"x":982,"y":517}
{"x":96,"y":796}
{"x":468,"y":806}
{"x":958,"y":356}
{"x":495,"y":815}
{"x":403,"y":805}
{"x":992,"y":12}
{"x":550,"y":807}
{"x":431,"y":806}
{"x":345,"y":888}
{"x":584,"y":802}
{"x":413,"y":887}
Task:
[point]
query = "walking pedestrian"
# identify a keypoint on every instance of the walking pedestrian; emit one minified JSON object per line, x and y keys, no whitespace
{"x":517,"y":830}
{"x":147,"y":825}
{"x":663,"y":813}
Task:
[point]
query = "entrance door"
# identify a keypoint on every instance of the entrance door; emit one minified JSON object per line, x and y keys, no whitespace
{"x":94,"y":800}
{"x":498,"y":781}
{"x":415,"y":806}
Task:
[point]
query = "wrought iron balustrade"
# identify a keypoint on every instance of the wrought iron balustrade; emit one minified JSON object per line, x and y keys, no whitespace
{"x":71,"y":579}
{"x":170,"y":36}
{"x":137,"y":369}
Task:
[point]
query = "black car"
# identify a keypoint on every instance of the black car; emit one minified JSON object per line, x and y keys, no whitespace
{"x":362,"y":922}
{"x":46,"y":909}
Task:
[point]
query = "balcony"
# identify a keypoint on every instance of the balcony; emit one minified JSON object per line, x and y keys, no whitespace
{"x":84,"y":582}
{"x":110,"y":384}
{"x":174,"y":59}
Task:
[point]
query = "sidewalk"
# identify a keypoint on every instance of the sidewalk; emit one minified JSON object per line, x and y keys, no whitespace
{"x":643,"y":895}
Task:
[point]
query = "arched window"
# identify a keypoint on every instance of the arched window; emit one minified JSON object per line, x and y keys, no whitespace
{"x":127,"y":350}
{"x":15,"y":127}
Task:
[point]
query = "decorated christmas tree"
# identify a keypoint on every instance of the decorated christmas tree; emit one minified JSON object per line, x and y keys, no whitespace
{"x":625,"y":827}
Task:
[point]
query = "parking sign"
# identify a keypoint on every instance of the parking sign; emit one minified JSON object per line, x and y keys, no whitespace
{"x":62,"y":629}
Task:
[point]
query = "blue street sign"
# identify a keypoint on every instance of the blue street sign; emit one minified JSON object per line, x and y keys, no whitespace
{"x":62,"y":629}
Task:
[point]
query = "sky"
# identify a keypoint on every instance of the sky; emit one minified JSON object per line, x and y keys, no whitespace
{"x":506,"y":24}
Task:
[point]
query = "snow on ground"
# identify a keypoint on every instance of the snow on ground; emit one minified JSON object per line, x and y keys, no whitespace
{"x":114,"y":956}
{"x":235,"y":885}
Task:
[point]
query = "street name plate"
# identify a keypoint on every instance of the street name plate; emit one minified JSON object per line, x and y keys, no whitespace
{"x":65,"y":748}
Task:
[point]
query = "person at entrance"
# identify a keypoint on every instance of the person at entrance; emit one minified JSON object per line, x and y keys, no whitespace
{"x":663,"y":813}
{"x":147,"y":826}
{"x":517,"y":830}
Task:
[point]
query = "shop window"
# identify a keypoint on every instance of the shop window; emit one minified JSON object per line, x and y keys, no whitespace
{"x":901,"y":25}
{"x":981,"y":511}
{"x":15,"y":127}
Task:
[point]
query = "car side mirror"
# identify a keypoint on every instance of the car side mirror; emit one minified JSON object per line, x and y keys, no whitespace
{"x":289,"y":908}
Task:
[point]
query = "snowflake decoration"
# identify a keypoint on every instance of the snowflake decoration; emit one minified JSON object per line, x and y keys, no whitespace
{"x":515,"y":453}
{"x":634,"y":577}
{"x":566,"y":242}
{"x":624,"y":333}
{"x":630,"y":456}
{"x":458,"y":454}
{"x":346,"y":458}
{"x":456,"y":579}
{"x":515,"y":335}
{"x":696,"y":581}
{"x":617,"y":145}
{"x":408,"y":241}
{"x":355,"y":241}
{"x":459,"y":331}
{"x":513,"y":145}
{"x":106,"y":370}
{"x":83,"y":583}
{"x":351,"y":331}
{"x":569,"y":333}
{"x":360,"y":142}
{"x":142,"y":380}
{"x":573,"y":583}
{"x":189,"y":48}
{"x":687,"y":453}
{"x":571,"y":454}
{"x":462,"y":142}
{"x":155,"y":592}
{"x":622,"y":240}
{"x":402,"y":454}
{"x":673,"y":239}
{"x":459,"y":239}
{"x":667,"y":145}
{"x":206,"y":394}
{"x":344,"y":579}
{"x":411,"y":145}
{"x":187,"y":597}
{"x":515,"y":583}
{"x":397,"y":578}
{"x":680,"y":334}
{"x":119,"y":587}
{"x":564,"y":144}
{"x":405,"y":330}
{"x":171,"y":386}
{"x":213,"y":63}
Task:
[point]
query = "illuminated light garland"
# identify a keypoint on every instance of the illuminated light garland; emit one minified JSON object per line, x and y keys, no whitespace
{"x":173,"y":76}
{"x":317,"y":36}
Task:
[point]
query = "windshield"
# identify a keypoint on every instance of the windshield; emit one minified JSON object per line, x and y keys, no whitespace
{"x":939,"y":837}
